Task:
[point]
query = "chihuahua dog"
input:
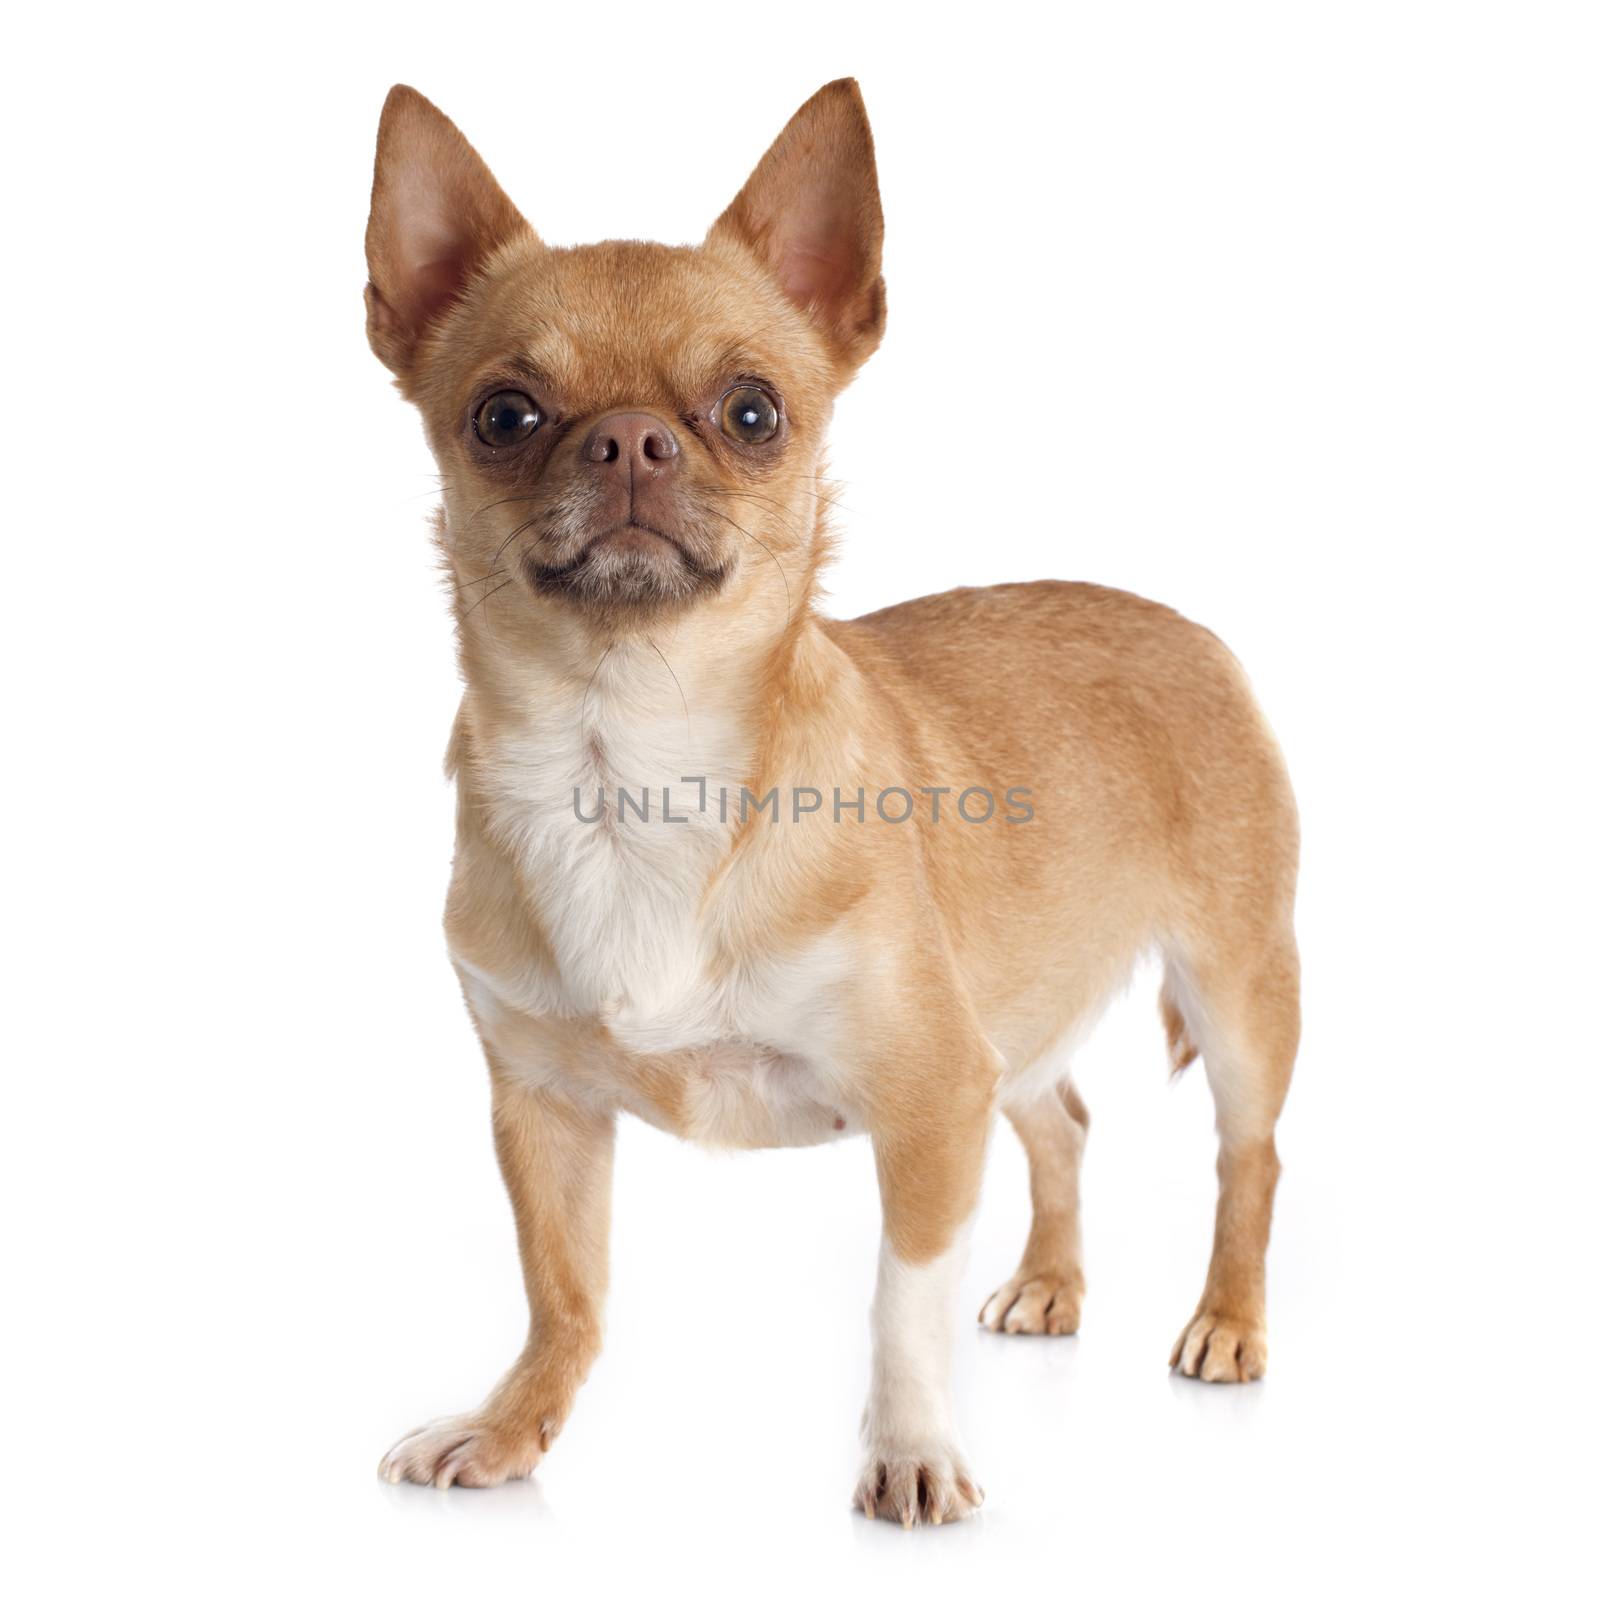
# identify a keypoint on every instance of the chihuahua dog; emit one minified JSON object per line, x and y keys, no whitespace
{"x":765,"y":878}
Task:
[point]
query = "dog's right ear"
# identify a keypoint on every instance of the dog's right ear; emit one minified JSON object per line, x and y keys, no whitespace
{"x":437,"y":215}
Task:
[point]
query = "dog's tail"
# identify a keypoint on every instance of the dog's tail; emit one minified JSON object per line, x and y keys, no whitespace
{"x":1181,"y":1048}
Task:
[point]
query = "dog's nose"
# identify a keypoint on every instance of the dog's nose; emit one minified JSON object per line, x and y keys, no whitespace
{"x":630,"y":439}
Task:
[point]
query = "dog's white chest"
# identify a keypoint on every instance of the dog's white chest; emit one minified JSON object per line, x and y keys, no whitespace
{"x":616,"y":831}
{"x":616,"y":854}
{"x":742,"y":1058}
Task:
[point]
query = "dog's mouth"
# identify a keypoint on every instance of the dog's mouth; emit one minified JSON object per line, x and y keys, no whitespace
{"x":631,"y":563}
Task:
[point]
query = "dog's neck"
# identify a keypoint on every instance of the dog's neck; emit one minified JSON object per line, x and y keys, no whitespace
{"x":712,"y":692}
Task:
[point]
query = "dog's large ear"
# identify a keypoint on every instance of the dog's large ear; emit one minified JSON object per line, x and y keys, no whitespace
{"x":810,"y":211}
{"x":437,"y":214}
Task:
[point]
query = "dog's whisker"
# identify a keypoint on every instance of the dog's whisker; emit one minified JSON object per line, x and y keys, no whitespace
{"x":687,"y":731}
{"x":788,"y":594}
{"x":795,"y":525}
{"x":483,"y":597}
{"x":470,"y":583}
{"x":583,"y":707}
{"x":798,"y":528}
{"x":505,"y":544}
{"x":494,"y":505}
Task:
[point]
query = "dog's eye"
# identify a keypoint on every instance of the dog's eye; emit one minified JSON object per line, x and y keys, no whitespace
{"x":506,"y":418}
{"x":748,"y":414}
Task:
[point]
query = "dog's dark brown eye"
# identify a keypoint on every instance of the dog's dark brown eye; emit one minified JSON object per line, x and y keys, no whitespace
{"x":506,"y":418}
{"x":749,"y":415}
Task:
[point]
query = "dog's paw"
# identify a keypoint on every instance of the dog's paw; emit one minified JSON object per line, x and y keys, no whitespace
{"x":1042,"y":1303}
{"x":931,"y":1486}
{"x":1221,"y":1349}
{"x":468,"y":1450}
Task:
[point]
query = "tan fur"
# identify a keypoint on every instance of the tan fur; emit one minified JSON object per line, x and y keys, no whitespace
{"x":1045,"y":1294}
{"x":825,"y":976}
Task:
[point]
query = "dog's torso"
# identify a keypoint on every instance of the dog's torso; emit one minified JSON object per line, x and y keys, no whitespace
{"x":630,"y":929}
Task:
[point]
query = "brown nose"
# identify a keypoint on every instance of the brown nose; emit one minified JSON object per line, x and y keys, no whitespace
{"x":630,"y":439}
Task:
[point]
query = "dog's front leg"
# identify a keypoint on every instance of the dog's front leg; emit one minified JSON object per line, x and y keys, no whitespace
{"x":929,"y":1148}
{"x":555,"y":1157}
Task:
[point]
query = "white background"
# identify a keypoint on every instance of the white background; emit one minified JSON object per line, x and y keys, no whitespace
{"x":1286,"y":315}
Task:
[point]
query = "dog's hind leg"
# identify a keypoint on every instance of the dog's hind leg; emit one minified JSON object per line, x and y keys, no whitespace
{"x":1045,"y":1294}
{"x":1240,"y":1003}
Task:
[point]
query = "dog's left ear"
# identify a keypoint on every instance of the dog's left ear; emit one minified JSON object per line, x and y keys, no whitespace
{"x":810,"y":212}
{"x":437,"y":215}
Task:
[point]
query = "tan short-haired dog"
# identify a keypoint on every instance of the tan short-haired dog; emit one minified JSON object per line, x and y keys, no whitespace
{"x":765,"y":878}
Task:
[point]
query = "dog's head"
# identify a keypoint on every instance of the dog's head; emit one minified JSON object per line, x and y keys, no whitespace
{"x":625,"y":429}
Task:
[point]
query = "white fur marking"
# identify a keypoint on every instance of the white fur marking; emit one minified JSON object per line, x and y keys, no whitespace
{"x":909,"y":1411}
